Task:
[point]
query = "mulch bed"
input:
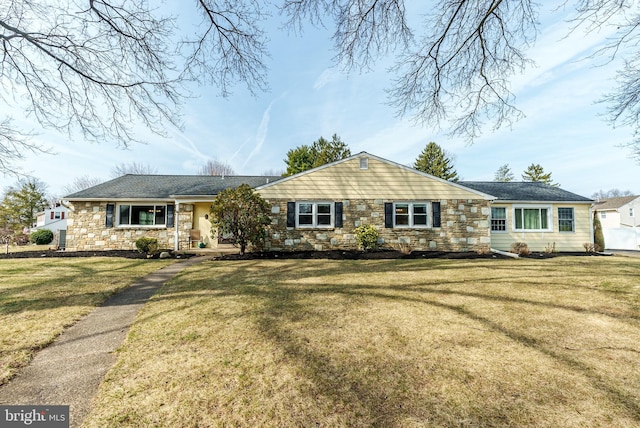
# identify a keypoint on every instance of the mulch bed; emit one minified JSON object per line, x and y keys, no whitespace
{"x":381,"y":255}
{"x":327,"y":255}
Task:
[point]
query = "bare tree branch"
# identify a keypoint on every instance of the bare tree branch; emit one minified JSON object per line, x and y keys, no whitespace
{"x":462,"y":69}
{"x":231,"y":46}
{"x":215,"y":167}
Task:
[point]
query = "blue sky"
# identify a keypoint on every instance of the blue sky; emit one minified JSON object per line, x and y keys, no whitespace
{"x":563,"y":130}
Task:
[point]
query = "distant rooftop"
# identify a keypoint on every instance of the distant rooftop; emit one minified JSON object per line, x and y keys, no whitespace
{"x":614,"y":203}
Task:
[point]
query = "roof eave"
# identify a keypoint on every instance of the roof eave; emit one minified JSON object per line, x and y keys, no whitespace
{"x":525,"y":201}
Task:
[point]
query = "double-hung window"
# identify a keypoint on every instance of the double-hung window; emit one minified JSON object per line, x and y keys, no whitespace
{"x":314,"y":214}
{"x":532,"y":219}
{"x":498,"y":219}
{"x":566,"y":220}
{"x":142,"y":215}
{"x":410,"y":214}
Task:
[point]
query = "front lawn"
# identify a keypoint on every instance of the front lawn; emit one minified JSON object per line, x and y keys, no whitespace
{"x":40,"y":297}
{"x":402,"y":343}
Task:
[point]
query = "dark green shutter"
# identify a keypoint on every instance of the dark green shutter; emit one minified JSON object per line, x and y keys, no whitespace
{"x":291,"y":214}
{"x":338,"y":214}
{"x":388,"y":214}
{"x":110,"y":209}
{"x":170,"y":215}
{"x":435,"y":210}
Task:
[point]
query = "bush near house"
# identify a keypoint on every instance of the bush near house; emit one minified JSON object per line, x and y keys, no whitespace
{"x":41,"y":237}
{"x":367,"y":236}
{"x":147,"y":245}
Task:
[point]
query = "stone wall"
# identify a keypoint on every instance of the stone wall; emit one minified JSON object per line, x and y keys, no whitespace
{"x":86,"y":230}
{"x":464,"y":227}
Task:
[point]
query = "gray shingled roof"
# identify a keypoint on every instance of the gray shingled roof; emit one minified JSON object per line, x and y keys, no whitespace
{"x":524,"y":191}
{"x":614,"y":203}
{"x":134,"y":186}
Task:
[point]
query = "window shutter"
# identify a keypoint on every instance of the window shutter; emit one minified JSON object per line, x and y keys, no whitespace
{"x":170,"y":215}
{"x":338,"y":214}
{"x":110,"y":209}
{"x":291,"y":214}
{"x":51,"y":215}
{"x":388,"y":214}
{"x":62,"y":215}
{"x":435,"y":210}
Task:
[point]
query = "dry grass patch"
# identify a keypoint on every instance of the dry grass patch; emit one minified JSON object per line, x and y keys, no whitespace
{"x":40,"y":297}
{"x":384,"y":343}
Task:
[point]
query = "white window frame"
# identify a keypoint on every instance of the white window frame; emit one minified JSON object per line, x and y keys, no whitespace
{"x":314,"y":213}
{"x":506,"y":220}
{"x":549,"y":209}
{"x":573,"y":220}
{"x":155,"y":206}
{"x":411,"y":223}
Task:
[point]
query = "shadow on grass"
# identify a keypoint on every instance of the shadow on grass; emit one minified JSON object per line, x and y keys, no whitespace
{"x":281,"y":305}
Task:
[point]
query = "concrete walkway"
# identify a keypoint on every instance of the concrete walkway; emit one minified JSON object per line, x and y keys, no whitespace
{"x":69,"y":371}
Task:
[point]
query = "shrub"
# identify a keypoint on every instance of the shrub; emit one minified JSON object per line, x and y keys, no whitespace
{"x":591,"y":248}
{"x":520,"y":248}
{"x":41,"y":237}
{"x":598,"y":235}
{"x":483,"y":250}
{"x":404,"y":248}
{"x":367,"y":236}
{"x":147,"y":245}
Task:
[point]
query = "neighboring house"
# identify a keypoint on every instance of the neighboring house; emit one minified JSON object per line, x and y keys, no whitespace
{"x":53,"y":219}
{"x":620,"y":222}
{"x":319,"y":209}
{"x":542,"y":216}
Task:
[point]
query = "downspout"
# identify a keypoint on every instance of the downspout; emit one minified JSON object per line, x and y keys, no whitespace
{"x":593,"y":238}
{"x":176,"y":237}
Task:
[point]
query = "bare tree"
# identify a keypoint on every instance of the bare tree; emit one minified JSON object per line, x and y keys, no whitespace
{"x":102,"y":67}
{"x":133,"y":168}
{"x":215,"y":167}
{"x":81,"y":183}
{"x":105,"y":66}
{"x":13,"y":146}
{"x":611,"y":193}
{"x":272,"y":172}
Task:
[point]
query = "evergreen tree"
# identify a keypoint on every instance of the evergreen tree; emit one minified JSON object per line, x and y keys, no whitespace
{"x":504,"y":174}
{"x":321,"y":152}
{"x":21,"y":203}
{"x":435,"y":161}
{"x":535,"y":172}
{"x":598,"y":235}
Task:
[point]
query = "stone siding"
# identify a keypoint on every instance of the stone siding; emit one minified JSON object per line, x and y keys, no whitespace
{"x":86,"y":229}
{"x":464,"y":227}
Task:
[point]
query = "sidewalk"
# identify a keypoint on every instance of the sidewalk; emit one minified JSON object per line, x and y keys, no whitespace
{"x":69,"y":371}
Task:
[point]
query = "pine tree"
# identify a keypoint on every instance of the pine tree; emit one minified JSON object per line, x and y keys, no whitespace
{"x":504,"y":174}
{"x":434,"y":161}
{"x":319,"y":153}
{"x":535,"y":172}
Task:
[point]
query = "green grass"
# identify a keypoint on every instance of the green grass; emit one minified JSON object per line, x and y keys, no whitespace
{"x":400,"y":343}
{"x":40,"y":297}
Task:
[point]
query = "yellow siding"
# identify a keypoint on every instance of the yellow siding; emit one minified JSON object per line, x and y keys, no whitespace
{"x":381,"y":180}
{"x":539,"y":241}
